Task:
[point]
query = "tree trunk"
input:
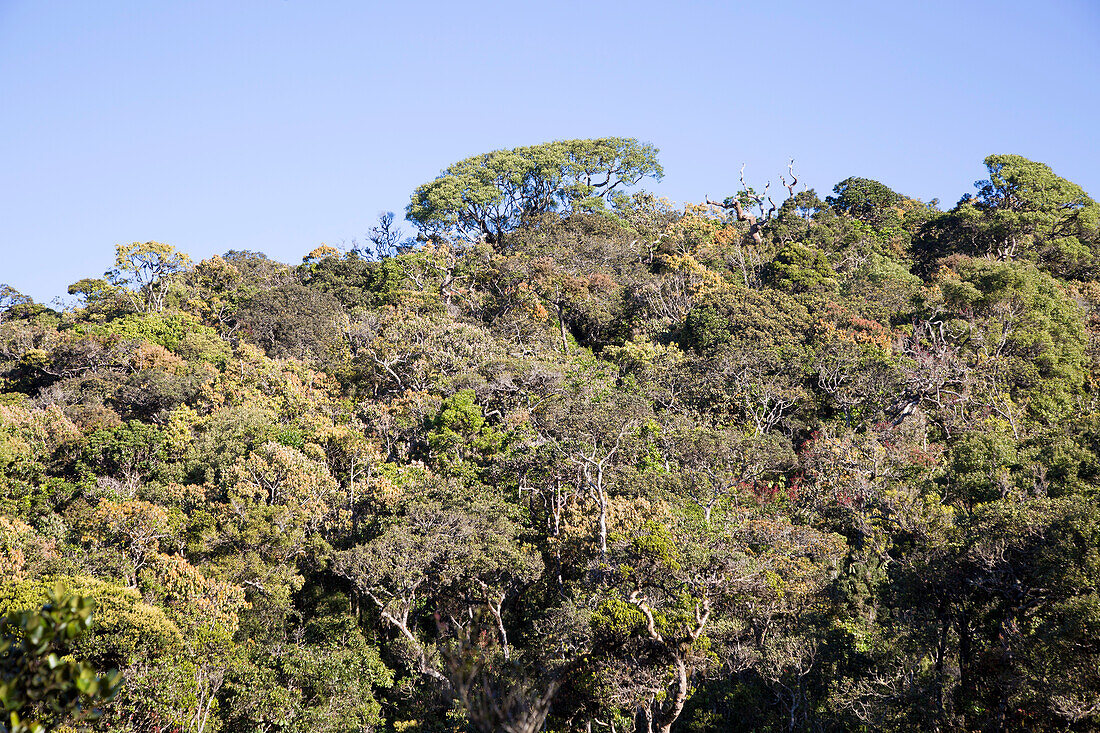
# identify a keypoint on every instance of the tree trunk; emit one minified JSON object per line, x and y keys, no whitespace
{"x":561,"y":328}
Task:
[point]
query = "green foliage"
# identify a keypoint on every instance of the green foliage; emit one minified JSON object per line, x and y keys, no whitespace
{"x":745,"y":318}
{"x":170,"y":330}
{"x":867,"y":200}
{"x":1027,"y":206}
{"x":148,"y":269}
{"x":459,"y":431}
{"x":1022,"y":211}
{"x":133,"y":448}
{"x":40,"y":689}
{"x":358,"y":282}
{"x":13,"y":302}
{"x":293,"y":320}
{"x":489,"y":195}
{"x":827,"y":466}
{"x":1030,"y":323}
{"x":99,"y":296}
{"x":617,"y":618}
{"x":800,"y":269}
{"x":656,"y":544}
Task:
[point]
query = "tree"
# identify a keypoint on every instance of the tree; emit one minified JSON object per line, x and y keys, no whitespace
{"x":147,"y":267}
{"x":867,"y":200}
{"x":1025,"y":204}
{"x":11,"y":300}
{"x":709,"y":467}
{"x":132,"y":529}
{"x":443,"y":552}
{"x":752,"y":354}
{"x":40,"y":688}
{"x":685,"y":598}
{"x":618,"y":466}
{"x":295,"y":321}
{"x":999,"y":621}
{"x":1023,"y":210}
{"x":386,"y":240}
{"x":801,"y":269}
{"x":588,"y":427}
{"x":1004,"y":334}
{"x":100,"y":296}
{"x":487,"y":196}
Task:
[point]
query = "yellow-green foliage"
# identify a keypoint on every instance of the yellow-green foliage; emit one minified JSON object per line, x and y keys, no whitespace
{"x":581,"y":458}
{"x":125,"y":628}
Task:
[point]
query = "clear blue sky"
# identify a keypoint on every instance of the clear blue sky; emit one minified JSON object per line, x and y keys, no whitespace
{"x":275,"y":125}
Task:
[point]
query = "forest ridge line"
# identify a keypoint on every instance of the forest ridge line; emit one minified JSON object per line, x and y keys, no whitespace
{"x":570,"y":459}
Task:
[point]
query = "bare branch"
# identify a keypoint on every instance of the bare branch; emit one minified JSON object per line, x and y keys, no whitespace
{"x":794,"y":179}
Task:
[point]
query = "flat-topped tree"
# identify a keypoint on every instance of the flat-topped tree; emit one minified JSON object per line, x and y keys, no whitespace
{"x":488,"y":195}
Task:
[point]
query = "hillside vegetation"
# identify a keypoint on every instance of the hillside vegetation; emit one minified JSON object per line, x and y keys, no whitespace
{"x":574,"y":459}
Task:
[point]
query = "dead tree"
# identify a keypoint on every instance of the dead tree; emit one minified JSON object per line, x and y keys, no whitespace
{"x":756,"y":223}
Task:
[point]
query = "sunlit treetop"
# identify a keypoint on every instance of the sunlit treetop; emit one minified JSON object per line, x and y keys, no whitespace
{"x":486,"y":196}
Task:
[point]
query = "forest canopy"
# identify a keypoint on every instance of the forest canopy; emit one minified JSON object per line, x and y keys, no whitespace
{"x":571,"y":459}
{"x":486,"y":196}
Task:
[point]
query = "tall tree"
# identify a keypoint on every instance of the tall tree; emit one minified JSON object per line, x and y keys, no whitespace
{"x":487,"y":196}
{"x":147,"y":267}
